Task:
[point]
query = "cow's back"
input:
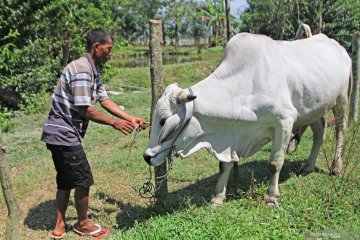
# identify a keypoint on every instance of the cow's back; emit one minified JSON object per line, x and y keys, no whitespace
{"x":260,"y":74}
{"x":318,"y":71}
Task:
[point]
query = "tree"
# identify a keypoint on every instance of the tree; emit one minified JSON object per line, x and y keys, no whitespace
{"x":176,"y":16}
{"x":342,"y":19}
{"x":271,"y":18}
{"x":50,"y":33}
{"x":13,"y":220}
{"x":214,"y":13}
{"x":280,"y":18}
{"x":227,"y":11}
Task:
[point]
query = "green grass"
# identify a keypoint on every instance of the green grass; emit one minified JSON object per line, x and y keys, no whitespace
{"x":317,"y":205}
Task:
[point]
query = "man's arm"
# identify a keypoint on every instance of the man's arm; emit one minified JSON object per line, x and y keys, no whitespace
{"x":93,"y":114}
{"x":115,"y":110}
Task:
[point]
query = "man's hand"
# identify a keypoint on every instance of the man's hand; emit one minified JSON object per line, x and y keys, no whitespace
{"x":140,"y":123}
{"x":123,"y":126}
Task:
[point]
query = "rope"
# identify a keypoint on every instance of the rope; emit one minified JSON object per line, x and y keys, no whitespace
{"x":148,"y":190}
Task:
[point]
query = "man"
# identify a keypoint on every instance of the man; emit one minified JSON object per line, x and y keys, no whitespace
{"x":73,"y":100}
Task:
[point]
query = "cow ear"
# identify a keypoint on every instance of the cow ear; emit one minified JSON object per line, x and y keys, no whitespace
{"x":184,"y":97}
{"x":171,"y":124}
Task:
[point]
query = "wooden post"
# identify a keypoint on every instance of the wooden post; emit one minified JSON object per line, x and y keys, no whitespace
{"x":156,"y":73}
{"x":12,"y":222}
{"x":236,"y":174}
{"x":228,"y":25}
{"x":354,"y":98}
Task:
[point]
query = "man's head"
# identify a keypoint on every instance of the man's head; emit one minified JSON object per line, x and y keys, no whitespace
{"x":99,"y":45}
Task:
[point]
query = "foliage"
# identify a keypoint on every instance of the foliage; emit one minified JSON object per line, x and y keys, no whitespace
{"x":43,"y":36}
{"x":5,"y":120}
{"x":214,"y":13}
{"x":272,"y":18}
{"x":131,"y":18}
{"x":39,"y":37}
{"x":280,"y":18}
{"x":174,"y":20}
{"x":342,"y":19}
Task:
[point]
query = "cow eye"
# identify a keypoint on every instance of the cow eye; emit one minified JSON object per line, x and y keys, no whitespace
{"x":162,"y":121}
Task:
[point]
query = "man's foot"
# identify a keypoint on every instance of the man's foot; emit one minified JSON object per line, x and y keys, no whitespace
{"x":61,"y":234}
{"x":91,"y":230}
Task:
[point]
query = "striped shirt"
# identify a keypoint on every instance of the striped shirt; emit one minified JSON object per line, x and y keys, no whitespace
{"x":79,"y":85}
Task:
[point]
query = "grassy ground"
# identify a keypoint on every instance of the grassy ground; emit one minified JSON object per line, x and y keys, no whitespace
{"x":314,"y":206}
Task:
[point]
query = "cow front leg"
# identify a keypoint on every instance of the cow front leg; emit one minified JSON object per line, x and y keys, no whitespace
{"x":339,"y":111}
{"x":318,"y":139}
{"x":220,"y":190}
{"x":280,"y":142}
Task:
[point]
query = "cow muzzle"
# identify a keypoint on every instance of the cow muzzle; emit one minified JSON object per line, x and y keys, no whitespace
{"x":147,"y":158}
{"x":156,"y":156}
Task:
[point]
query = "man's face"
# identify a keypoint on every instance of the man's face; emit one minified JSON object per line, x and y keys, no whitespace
{"x":103,"y":52}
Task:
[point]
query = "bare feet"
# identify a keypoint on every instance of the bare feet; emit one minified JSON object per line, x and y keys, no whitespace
{"x":86,"y":226}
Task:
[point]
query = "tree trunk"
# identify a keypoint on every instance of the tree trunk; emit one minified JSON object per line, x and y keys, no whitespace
{"x":66,"y":47}
{"x":354,"y":98}
{"x":12,"y":222}
{"x":176,"y":36}
{"x":228,"y":24}
{"x":156,"y":73}
{"x":164,"y":35}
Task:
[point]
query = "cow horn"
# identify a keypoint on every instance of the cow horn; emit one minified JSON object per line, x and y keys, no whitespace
{"x":191,"y":97}
{"x":185,"y":97}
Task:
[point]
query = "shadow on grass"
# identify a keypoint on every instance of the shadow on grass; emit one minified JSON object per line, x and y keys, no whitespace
{"x":42,"y":217}
{"x":199,"y":193}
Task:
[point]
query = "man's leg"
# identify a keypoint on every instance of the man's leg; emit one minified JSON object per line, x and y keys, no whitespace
{"x":83,"y":224}
{"x":62,"y":202}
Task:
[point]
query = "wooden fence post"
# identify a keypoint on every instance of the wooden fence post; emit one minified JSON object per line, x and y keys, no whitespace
{"x":156,"y":72}
{"x":12,"y":222}
{"x":354,"y":98}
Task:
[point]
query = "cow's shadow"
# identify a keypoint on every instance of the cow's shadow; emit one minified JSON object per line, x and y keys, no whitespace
{"x":200,"y":192}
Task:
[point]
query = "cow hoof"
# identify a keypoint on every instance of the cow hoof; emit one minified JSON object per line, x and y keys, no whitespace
{"x":292,"y":146}
{"x":272,"y":205}
{"x":216,"y":205}
{"x":271,"y":202}
{"x":335,"y":172}
{"x":305,"y":170}
{"x":215,"y":202}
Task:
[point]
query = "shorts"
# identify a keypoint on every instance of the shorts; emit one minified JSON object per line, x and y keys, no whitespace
{"x":72,"y":167}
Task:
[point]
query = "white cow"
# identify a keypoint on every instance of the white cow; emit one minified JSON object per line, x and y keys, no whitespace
{"x":262,"y":90}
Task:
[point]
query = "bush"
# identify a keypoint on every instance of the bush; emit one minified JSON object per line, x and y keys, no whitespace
{"x":5,"y":122}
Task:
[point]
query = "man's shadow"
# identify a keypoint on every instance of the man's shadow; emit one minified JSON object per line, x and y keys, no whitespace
{"x":199,"y":194}
{"x":42,"y":216}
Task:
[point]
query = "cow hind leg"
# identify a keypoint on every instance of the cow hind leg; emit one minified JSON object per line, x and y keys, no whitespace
{"x":339,"y":111}
{"x":318,"y":139}
{"x":220,"y":188}
{"x":280,"y":142}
